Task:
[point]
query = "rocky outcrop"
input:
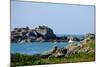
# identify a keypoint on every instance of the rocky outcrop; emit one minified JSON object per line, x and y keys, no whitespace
{"x":54,"y":52}
{"x":38,"y":34}
{"x":41,"y":33}
{"x":84,"y":47}
{"x":45,"y":32}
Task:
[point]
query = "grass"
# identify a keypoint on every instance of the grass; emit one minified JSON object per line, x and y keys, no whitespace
{"x":22,"y":60}
{"x":70,"y":59}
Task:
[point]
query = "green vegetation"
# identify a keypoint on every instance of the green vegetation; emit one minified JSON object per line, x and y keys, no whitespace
{"x":21,"y":60}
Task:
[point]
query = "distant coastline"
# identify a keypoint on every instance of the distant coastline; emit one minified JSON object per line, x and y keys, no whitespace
{"x":40,"y":34}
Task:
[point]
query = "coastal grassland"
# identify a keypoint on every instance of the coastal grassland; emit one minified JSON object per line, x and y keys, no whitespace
{"x":21,"y":60}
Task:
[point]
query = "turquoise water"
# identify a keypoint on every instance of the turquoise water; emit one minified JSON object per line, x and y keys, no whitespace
{"x":35,"y":47}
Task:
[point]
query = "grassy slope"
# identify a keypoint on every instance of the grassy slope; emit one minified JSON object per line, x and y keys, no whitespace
{"x":35,"y":60}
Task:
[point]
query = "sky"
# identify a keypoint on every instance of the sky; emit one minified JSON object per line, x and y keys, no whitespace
{"x":62,"y":18}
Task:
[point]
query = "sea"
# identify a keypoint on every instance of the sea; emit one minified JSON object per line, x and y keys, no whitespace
{"x":38,"y":47}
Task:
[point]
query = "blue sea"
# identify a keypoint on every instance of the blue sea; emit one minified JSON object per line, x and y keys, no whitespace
{"x":36,"y":47}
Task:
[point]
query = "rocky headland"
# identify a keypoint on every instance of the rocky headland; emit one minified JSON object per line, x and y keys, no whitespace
{"x":38,"y":34}
{"x":86,"y":46}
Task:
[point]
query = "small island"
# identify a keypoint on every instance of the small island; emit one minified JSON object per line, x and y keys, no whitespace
{"x":39,"y":34}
